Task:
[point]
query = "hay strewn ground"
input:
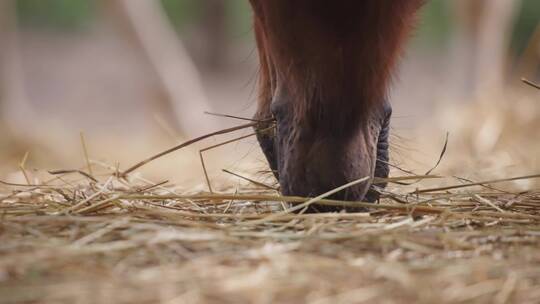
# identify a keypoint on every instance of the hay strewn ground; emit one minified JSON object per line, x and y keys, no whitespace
{"x":112,"y":242}
{"x":101,"y":239}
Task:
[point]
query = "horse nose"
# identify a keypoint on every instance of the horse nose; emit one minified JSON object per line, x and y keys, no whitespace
{"x":346,"y":195}
{"x":325,"y":167}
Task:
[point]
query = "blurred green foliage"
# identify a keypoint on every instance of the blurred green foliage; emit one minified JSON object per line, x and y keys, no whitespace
{"x":434,"y":31}
{"x":435,"y":26}
{"x":527,"y":21}
{"x":183,"y":12}
{"x":58,"y":14}
{"x":239,"y":17}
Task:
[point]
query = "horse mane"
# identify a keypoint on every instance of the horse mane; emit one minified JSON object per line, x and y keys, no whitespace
{"x":335,"y":58}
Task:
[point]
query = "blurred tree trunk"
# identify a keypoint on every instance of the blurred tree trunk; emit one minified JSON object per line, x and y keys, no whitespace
{"x":18,"y":119}
{"x":15,"y":110}
{"x":4,"y":25}
{"x":215,"y":31}
{"x":494,"y":43}
{"x":6,"y":36}
{"x":150,"y":30}
{"x":481,"y":43}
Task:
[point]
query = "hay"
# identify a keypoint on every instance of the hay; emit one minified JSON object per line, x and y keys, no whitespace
{"x":75,"y":240}
{"x":100,"y":235}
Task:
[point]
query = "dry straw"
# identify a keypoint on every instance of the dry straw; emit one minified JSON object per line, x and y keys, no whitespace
{"x":99,"y":236}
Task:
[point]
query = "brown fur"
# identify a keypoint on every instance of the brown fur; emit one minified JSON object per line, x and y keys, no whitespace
{"x":336,"y":57}
{"x":325,"y":69}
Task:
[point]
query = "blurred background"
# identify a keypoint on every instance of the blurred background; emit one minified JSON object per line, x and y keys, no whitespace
{"x":135,"y":76}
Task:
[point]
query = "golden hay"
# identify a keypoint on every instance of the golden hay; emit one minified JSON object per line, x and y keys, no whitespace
{"x":94,"y":237}
{"x":79,"y":241}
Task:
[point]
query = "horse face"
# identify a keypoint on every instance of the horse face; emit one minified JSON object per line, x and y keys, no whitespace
{"x":310,"y":157}
{"x":325,"y":67}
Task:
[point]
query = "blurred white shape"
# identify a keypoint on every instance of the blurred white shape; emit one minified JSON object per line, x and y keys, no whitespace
{"x":176,"y":70}
{"x":481,"y":44}
{"x":488,"y":135}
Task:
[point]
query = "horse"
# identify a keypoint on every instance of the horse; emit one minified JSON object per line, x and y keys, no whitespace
{"x":325,"y":69}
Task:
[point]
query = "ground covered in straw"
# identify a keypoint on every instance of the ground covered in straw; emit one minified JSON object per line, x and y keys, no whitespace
{"x":79,"y":240}
{"x":96,"y":235}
